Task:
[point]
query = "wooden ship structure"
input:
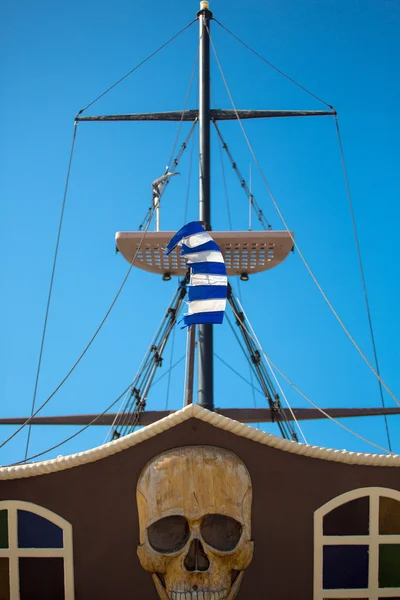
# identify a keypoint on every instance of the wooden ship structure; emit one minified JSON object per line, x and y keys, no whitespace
{"x":196,"y":504}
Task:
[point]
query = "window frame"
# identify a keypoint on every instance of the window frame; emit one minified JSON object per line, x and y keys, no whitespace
{"x":13,"y":552}
{"x":372,"y":540}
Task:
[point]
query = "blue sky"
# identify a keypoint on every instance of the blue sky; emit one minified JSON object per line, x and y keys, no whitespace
{"x":56,"y":58}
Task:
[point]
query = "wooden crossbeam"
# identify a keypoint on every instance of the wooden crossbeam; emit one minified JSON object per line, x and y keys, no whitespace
{"x":243,"y":415}
{"x":216,"y":114}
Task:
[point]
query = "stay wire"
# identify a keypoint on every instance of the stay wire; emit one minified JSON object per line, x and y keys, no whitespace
{"x":137,"y":67}
{"x":135,"y":379}
{"x":221,"y":158}
{"x":324,"y":412}
{"x":74,"y":435}
{"x":28,"y":421}
{"x":295,"y":244}
{"x":125,"y":399}
{"x":184,"y":108}
{"x":149,"y":381}
{"x":173,"y":167}
{"x":53,"y":271}
{"x":154,"y":353}
{"x":255,"y":339}
{"x":268,"y":359}
{"x":148,"y":217}
{"x":224,"y":184}
{"x":282,"y":424}
{"x":253,"y":387}
{"x":254,"y":204}
{"x":273,"y":66}
{"x":178,"y":362}
{"x":149,"y":360}
{"x":189,"y":180}
{"x":364,"y":284}
{"x":170,"y":369}
{"x":220,"y":146}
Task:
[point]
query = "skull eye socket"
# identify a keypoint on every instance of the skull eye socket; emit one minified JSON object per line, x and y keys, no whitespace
{"x":221,"y":532}
{"x":168,"y":534}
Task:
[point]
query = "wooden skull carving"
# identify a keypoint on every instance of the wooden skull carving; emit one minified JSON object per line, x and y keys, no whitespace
{"x":194,"y":507}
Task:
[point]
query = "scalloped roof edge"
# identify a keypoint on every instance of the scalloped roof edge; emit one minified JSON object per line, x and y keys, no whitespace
{"x":195,"y":411}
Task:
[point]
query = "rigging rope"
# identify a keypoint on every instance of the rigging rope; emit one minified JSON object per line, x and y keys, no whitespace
{"x":28,"y":421}
{"x":364,"y":284}
{"x":74,"y":435}
{"x":325,"y":413}
{"x":184,"y":109}
{"x":53,"y":270}
{"x":273,"y":66}
{"x":146,"y":221}
{"x":220,"y":146}
{"x":221,"y":158}
{"x":269,"y":393}
{"x":153,"y":360}
{"x":274,"y":201}
{"x":249,"y":383}
{"x":268,"y":359}
{"x":255,"y":339}
{"x":189,"y":182}
{"x":170,"y":369}
{"x":260,"y":215}
{"x":137,"y":67}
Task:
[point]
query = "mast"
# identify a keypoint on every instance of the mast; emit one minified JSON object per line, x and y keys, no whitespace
{"x":205,"y":337}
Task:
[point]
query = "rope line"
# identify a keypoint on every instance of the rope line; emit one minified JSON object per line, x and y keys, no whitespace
{"x":224,"y":183}
{"x":189,"y":180}
{"x":255,"y":339}
{"x":273,"y":66}
{"x":253,"y":202}
{"x":170,"y":368}
{"x":184,"y":109}
{"x":364,"y":284}
{"x":137,"y":67}
{"x":178,"y":362}
{"x":74,"y":435}
{"x":253,"y":387}
{"x":323,"y":412}
{"x":294,"y":241}
{"x":268,"y":359}
{"x":53,"y":270}
{"x":28,"y":421}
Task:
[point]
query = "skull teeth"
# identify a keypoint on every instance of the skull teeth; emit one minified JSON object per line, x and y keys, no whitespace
{"x":198,"y":595}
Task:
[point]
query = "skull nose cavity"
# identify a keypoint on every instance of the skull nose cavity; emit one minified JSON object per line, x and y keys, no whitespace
{"x":196,"y":559}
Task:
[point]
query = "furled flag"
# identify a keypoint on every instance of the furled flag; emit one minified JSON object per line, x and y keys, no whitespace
{"x":208,"y":284}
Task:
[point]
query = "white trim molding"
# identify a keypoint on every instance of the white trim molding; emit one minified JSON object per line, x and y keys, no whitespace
{"x":372,"y":540}
{"x":13,"y":552}
{"x":195,"y":411}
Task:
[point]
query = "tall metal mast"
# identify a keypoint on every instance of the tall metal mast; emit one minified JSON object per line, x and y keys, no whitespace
{"x":205,"y":337}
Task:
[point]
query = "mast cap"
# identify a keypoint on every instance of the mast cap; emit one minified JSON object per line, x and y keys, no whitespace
{"x":204,"y":5}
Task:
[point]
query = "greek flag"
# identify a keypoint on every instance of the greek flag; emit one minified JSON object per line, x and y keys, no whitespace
{"x":208,"y":285}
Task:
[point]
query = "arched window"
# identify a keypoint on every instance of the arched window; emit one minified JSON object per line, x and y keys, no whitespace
{"x":357,"y":546}
{"x":35,"y":553}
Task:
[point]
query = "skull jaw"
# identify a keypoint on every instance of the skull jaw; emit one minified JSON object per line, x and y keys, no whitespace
{"x":162,"y":592}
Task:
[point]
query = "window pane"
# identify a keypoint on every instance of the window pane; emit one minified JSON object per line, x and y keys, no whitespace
{"x":389,"y":565}
{"x":389,"y":516}
{"x":4,"y":580}
{"x":345,"y":567}
{"x":36,"y":532}
{"x":41,"y":578}
{"x":3,"y":528}
{"x":351,"y":518}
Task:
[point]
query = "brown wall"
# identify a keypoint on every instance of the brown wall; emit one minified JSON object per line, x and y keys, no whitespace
{"x":99,"y":500}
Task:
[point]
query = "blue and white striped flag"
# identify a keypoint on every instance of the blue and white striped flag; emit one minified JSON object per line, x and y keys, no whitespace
{"x":208,"y":285}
